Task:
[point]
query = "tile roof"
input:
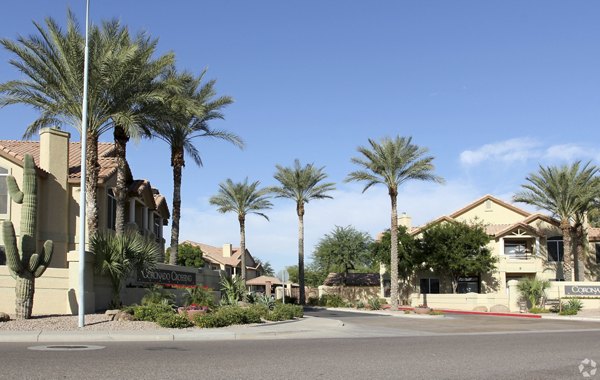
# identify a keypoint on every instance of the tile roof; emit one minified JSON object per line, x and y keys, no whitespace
{"x":491,"y":198}
{"x":215,"y":255}
{"x":262,"y":280}
{"x":594,"y":234}
{"x":108,"y":165}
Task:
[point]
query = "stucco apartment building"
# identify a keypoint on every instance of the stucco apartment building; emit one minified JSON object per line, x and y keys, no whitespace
{"x":526,"y":245}
{"x":58,"y":164}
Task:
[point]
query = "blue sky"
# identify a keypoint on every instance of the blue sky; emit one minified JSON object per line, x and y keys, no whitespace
{"x":492,"y":88}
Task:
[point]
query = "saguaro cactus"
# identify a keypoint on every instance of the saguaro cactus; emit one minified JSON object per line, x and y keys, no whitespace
{"x":25,"y":265}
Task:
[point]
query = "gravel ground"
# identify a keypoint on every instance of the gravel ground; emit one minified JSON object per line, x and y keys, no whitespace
{"x":93,"y":322}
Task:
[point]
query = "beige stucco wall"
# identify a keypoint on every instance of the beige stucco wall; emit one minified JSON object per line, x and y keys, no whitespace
{"x":490,"y":212}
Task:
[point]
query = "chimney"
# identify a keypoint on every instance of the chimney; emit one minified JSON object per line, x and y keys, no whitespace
{"x":54,"y":154}
{"x":405,"y":221}
{"x":227,"y":250}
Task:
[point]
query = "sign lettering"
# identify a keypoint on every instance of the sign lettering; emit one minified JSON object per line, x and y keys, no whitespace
{"x":582,"y":290}
{"x":166,"y":277}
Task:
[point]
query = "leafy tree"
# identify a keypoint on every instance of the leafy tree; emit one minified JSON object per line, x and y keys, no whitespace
{"x":343,"y":250}
{"x":314,"y":276}
{"x":188,"y":107}
{"x":457,"y":249}
{"x":301,"y":184}
{"x":118,"y":255}
{"x":189,"y":256}
{"x":267,"y":268}
{"x":568,"y":192}
{"x":242,"y":198}
{"x":392,"y":162}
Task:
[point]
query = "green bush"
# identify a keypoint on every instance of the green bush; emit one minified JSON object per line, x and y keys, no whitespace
{"x":230,"y":315}
{"x":151,"y":312}
{"x":533,"y":290}
{"x":200,"y":296}
{"x":331,"y":300}
{"x":572,"y":307}
{"x":158,"y":295}
{"x":538,"y":310}
{"x":173,"y":320}
{"x":360,"y":305}
{"x":375,"y":303}
{"x":283,"y":312}
{"x":313,"y":301}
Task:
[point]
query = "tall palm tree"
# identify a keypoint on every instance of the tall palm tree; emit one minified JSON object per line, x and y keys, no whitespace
{"x":242,"y":198}
{"x":188,"y":108}
{"x":392,"y":162}
{"x":566,"y":191}
{"x":52,"y":63}
{"x":301,"y":184}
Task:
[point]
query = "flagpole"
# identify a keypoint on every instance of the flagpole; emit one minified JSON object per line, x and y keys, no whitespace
{"x":82,"y":198}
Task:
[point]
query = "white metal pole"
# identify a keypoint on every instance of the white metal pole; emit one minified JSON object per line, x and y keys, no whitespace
{"x":82,"y":198}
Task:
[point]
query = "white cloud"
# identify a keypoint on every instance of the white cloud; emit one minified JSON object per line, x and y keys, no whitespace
{"x":517,"y":149}
{"x":571,"y":152}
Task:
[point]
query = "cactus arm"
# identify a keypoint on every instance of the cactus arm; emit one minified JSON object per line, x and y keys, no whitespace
{"x":46,"y":257}
{"x":13,"y":189}
{"x":34,"y":262}
{"x":10,"y":246}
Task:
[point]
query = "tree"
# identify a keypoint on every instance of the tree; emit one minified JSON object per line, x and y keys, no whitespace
{"x":187,"y":109}
{"x":267,"y":268}
{"x":457,"y":249}
{"x":392,"y":162}
{"x":52,"y":62}
{"x":314,"y":275}
{"x":242,"y":198}
{"x":409,"y":256}
{"x":343,"y":250}
{"x":301,"y":184}
{"x":116,"y":255}
{"x":566,"y":191}
{"x":189,"y":256}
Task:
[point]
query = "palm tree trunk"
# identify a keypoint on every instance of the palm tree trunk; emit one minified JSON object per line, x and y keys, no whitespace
{"x":242,"y":221}
{"x":394,"y":251}
{"x":91,"y":182}
{"x":120,"y":190}
{"x":300,"y":210}
{"x":579,"y":252}
{"x":569,"y":272}
{"x":177,"y":163}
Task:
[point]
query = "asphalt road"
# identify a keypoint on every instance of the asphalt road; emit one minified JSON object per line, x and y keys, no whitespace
{"x":444,"y":352}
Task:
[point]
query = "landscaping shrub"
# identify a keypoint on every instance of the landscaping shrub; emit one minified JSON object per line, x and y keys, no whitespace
{"x":158,"y":295}
{"x":172,"y":320}
{"x":200,"y":296}
{"x":331,"y":300}
{"x":533,"y":290}
{"x":360,"y":305}
{"x":538,"y":310}
{"x":229,"y":315}
{"x":572,"y":307}
{"x":375,"y":303}
{"x":313,"y":301}
{"x":283,"y":312}
{"x":151,"y":312}
{"x":263,"y":299}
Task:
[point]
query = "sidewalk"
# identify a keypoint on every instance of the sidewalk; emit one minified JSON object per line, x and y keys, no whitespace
{"x":305,"y":328}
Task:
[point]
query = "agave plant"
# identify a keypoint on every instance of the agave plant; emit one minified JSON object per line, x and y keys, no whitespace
{"x":118,"y":255}
{"x":233,"y":289}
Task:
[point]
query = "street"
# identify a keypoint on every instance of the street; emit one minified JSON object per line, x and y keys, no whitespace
{"x":445,"y":348}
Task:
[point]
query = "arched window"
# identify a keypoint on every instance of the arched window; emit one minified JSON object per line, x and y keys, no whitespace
{"x":3,"y":193}
{"x":555,"y":249}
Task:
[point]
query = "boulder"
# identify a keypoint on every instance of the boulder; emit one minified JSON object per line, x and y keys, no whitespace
{"x":481,"y":309}
{"x":4,"y":317}
{"x":499,"y":309}
{"x":123,"y":316}
{"x":111,"y":313}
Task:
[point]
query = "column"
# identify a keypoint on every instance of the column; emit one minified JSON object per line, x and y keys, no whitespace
{"x":537,"y":247}
{"x":145,"y":219}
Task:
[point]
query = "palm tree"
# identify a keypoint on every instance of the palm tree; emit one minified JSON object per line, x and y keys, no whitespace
{"x":116,"y":255}
{"x":301,"y":184}
{"x":52,"y":63}
{"x":392,"y":162}
{"x":187,"y":109}
{"x":243,"y":199}
{"x":566,"y":191}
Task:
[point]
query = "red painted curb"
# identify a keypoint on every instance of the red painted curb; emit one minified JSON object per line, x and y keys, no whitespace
{"x":514,"y":315}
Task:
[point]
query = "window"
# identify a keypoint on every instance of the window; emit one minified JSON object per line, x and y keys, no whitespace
{"x":157,"y":228}
{"x":555,"y":249}
{"x":2,"y":256}
{"x":111,"y":210}
{"x":430,"y":286}
{"x":3,"y":193}
{"x":515,"y":248}
{"x":468,"y":285}
{"x":597,"y":253}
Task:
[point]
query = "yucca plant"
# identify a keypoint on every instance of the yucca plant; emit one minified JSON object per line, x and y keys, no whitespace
{"x":533,"y":290}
